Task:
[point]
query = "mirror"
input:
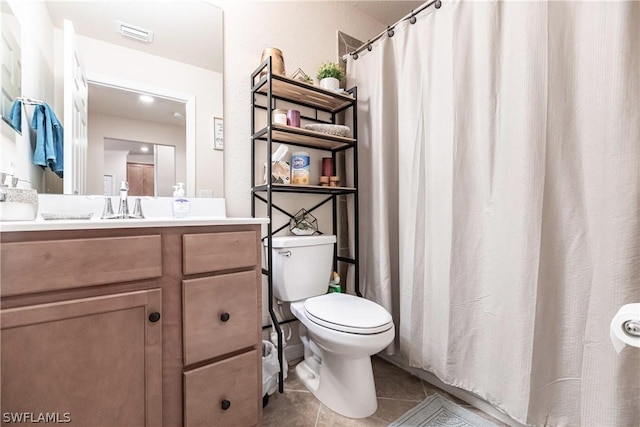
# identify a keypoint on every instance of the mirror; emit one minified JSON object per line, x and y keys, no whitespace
{"x":11,"y":65}
{"x":181,"y":63}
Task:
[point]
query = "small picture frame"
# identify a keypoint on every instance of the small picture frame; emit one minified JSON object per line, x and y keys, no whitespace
{"x":218,"y":133}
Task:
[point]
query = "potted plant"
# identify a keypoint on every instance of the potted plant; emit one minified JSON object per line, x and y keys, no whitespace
{"x":330,"y":75}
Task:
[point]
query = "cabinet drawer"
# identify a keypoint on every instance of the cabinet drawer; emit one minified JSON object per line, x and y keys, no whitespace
{"x":29,"y":267}
{"x":231,"y":384}
{"x":208,"y":252}
{"x":220,"y":315}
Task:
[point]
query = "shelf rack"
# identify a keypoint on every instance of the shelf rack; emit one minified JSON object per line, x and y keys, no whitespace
{"x":273,"y":89}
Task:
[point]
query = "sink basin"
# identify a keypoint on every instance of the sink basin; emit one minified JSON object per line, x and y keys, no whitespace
{"x":18,"y":204}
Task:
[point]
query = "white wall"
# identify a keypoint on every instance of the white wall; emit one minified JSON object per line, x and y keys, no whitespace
{"x":150,"y":70}
{"x":37,"y":82}
{"x":306,"y":32}
{"x":103,"y":126}
{"x":144,"y":159}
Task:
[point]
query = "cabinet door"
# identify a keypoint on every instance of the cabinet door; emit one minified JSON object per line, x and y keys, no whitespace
{"x":96,"y":361}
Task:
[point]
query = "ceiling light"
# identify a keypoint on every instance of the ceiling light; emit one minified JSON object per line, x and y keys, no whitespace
{"x":144,"y":149}
{"x":146,"y":99}
{"x":134,"y":32}
{"x":178,"y":115}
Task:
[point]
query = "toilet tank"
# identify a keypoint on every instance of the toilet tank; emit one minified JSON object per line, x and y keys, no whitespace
{"x":302,"y":266}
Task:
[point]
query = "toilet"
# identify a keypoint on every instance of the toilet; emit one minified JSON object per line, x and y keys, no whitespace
{"x":339,"y":332}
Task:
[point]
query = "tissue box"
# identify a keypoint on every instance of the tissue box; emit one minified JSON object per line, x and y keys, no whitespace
{"x":280,"y":173}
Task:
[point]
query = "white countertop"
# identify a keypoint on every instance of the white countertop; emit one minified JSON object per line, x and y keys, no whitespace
{"x":157,"y":211}
{"x":44,"y":225}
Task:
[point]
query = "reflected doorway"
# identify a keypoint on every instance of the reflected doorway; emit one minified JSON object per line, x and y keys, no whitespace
{"x":140,"y":179}
{"x":150,"y":169}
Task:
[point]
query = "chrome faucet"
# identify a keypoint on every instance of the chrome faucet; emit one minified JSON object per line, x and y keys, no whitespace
{"x":123,"y":206}
{"x":3,"y":178}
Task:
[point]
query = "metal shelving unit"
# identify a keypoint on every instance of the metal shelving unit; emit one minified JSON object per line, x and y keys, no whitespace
{"x":326,"y":105}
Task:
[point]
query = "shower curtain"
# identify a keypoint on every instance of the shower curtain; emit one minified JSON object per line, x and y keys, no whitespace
{"x":499,"y":159}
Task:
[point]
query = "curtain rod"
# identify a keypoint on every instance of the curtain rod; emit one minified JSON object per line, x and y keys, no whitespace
{"x":411,"y":17}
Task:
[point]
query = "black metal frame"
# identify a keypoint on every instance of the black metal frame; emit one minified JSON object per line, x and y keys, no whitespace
{"x":264,"y":87}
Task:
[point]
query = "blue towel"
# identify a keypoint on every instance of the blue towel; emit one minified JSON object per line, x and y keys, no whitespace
{"x":49,"y":139}
{"x":15,"y":115}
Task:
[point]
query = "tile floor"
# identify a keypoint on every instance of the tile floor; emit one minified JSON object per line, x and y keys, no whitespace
{"x":397,"y":390}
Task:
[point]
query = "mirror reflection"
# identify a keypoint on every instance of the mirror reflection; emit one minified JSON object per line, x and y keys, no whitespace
{"x":171,"y":51}
{"x":11,"y":66}
{"x":137,"y":137}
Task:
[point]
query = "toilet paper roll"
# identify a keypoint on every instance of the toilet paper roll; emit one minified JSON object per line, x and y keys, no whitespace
{"x":620,"y":338}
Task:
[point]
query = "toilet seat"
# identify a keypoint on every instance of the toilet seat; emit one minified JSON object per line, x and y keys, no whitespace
{"x":348,"y":313}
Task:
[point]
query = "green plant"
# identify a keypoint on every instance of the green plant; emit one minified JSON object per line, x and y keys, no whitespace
{"x":330,"y":69}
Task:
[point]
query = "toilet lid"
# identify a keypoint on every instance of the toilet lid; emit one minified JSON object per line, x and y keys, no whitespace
{"x":348,"y":313}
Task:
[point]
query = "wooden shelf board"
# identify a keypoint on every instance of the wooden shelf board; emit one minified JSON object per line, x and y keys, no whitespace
{"x":304,"y":93}
{"x":308,"y":138}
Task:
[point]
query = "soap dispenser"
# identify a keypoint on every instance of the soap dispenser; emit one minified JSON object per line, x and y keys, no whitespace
{"x":181,"y":205}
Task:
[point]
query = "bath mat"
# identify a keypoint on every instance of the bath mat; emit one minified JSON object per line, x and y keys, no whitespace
{"x":436,"y":411}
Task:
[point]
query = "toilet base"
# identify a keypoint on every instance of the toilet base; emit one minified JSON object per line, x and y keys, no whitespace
{"x":345,"y":386}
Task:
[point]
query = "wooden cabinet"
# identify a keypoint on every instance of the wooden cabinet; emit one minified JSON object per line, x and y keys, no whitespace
{"x":221,"y":337}
{"x":132,"y":327}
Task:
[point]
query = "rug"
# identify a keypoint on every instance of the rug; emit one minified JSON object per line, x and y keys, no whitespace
{"x":436,"y":411}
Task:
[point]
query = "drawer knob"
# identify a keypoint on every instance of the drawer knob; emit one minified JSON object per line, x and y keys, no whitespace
{"x":154,"y":317}
{"x":225,"y":405}
{"x":225,"y":317}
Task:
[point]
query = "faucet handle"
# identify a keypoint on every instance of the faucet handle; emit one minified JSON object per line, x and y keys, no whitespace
{"x":137,"y":209}
{"x":107,"y":212}
{"x":3,"y":177}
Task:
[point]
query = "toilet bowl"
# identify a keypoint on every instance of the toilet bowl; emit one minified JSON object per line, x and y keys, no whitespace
{"x":339,"y":332}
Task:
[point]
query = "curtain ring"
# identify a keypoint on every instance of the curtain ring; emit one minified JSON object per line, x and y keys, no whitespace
{"x":413,"y":18}
{"x":390,"y":32}
{"x":354,"y":55}
{"x":438,"y":4}
{"x":369,"y":47}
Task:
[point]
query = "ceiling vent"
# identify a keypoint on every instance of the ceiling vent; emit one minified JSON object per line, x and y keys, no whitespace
{"x":134,"y":32}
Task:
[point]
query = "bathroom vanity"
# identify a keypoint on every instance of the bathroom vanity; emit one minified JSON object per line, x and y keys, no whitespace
{"x":132,"y":323}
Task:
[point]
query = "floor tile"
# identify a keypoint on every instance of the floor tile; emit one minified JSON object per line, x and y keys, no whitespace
{"x":292,"y":382}
{"x":394,"y":383}
{"x":328,"y":418}
{"x":292,"y":408}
